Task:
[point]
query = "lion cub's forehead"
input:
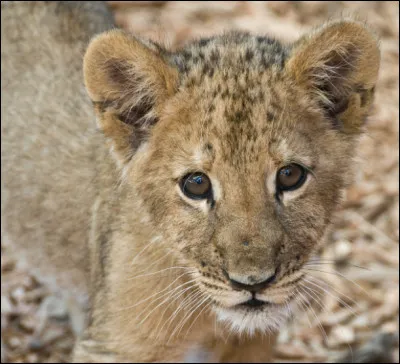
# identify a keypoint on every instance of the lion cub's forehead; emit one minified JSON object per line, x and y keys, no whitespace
{"x":236,"y":98}
{"x":237,"y":52}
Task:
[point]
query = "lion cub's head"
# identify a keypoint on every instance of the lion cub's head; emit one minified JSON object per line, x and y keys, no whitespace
{"x":238,"y":148}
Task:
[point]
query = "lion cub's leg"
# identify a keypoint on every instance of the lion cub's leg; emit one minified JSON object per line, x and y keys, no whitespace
{"x":249,"y":350}
{"x":231,"y":348}
{"x":257,"y":349}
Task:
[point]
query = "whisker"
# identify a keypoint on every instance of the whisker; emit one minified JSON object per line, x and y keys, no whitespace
{"x":197,"y":304}
{"x":335,"y":297}
{"x":215,"y":325}
{"x":187,"y":317}
{"x":164,"y":256}
{"x":317,"y":263}
{"x":351,"y":310}
{"x":198,"y":315}
{"x":162,"y":270}
{"x":231,"y":331}
{"x":149,"y":244}
{"x":304,"y":307}
{"x":316,"y":317}
{"x":339,"y":275}
{"x":177,"y":295}
{"x":153,"y":295}
{"x":190,"y":299}
{"x":315,"y":296}
{"x":171,"y":295}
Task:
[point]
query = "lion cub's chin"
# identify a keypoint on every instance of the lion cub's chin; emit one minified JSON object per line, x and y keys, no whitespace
{"x":250,"y":321}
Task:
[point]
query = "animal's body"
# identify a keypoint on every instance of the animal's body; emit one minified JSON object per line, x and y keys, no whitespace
{"x":188,"y":211}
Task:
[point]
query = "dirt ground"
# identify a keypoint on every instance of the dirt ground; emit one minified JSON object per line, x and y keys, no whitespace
{"x":363,"y":277}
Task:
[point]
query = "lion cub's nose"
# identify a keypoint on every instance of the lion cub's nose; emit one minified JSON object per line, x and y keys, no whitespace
{"x":250,"y":282}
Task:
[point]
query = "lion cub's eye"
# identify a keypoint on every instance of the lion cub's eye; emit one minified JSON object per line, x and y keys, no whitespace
{"x":196,"y":185}
{"x":290,"y":177}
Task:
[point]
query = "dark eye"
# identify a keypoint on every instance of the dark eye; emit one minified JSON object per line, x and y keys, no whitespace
{"x":290,"y":177}
{"x":196,"y":186}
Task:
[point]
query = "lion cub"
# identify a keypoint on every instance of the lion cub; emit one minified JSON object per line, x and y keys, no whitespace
{"x":188,"y":212}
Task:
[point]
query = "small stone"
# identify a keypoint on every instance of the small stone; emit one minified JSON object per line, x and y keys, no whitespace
{"x":32,"y":358}
{"x":51,"y":335}
{"x":341,"y":335}
{"x":17,"y":294}
{"x":14,"y":342}
{"x":56,"y":307}
{"x":335,"y":318}
{"x":66,"y":344}
{"x":35,"y":344}
{"x":342,"y":249}
{"x":6,"y":306}
{"x":35,"y":294}
{"x":361,"y":322}
{"x":28,"y":323}
{"x":391,"y":327}
{"x":7,"y":264}
{"x":28,"y":282}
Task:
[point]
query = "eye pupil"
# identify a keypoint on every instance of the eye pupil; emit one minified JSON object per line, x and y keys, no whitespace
{"x":196,"y":186}
{"x":290,"y":177}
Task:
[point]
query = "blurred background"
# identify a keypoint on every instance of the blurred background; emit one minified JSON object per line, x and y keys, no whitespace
{"x":361,"y":301}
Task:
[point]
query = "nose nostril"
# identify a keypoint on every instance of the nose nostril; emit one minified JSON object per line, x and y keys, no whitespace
{"x":251,"y":287}
{"x":270,"y":279}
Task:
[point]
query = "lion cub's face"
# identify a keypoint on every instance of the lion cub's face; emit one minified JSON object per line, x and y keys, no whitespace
{"x":243,"y":199}
{"x":238,"y":149}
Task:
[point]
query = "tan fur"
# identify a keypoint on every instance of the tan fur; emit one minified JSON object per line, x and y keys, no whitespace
{"x":107,"y":204}
{"x":48,"y":149}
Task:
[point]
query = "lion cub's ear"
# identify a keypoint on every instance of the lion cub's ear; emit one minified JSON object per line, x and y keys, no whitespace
{"x":339,"y":64}
{"x":128,"y":82}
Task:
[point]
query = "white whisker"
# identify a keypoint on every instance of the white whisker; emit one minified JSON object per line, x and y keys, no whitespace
{"x":316,"y":317}
{"x":303,"y":306}
{"x":162,"y":270}
{"x":149,"y":244}
{"x":341,"y":275}
{"x":329,"y":293}
{"x":198,"y":315}
{"x":186,"y":317}
{"x":186,"y":303}
{"x":177,"y":295}
{"x":153,"y":295}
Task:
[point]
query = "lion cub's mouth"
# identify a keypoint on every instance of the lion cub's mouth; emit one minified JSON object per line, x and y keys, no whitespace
{"x":253,"y":303}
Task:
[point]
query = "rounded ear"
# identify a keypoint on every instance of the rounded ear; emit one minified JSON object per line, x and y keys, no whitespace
{"x":339,"y":64}
{"x":128,"y":81}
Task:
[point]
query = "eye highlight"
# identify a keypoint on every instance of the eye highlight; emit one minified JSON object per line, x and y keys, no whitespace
{"x":196,"y":186}
{"x":290,"y":177}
